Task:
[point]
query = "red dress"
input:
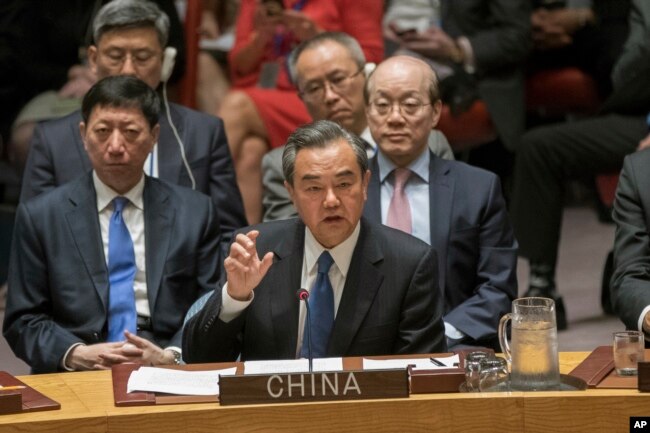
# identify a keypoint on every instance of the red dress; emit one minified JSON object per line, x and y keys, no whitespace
{"x":280,"y":108}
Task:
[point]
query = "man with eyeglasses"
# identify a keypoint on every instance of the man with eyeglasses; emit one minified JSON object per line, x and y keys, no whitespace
{"x":359,"y":304}
{"x":130,"y":37}
{"x":330,"y":72}
{"x":104,"y":268}
{"x":456,"y":208}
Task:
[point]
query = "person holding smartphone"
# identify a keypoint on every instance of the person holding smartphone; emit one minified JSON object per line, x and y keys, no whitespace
{"x":263,"y":108}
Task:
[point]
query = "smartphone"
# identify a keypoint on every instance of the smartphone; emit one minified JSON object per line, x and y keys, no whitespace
{"x":273,"y":7}
{"x":405,"y":32}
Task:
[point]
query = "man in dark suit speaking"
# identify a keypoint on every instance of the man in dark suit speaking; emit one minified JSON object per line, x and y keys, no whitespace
{"x":129,"y":39}
{"x":373,"y":290}
{"x":104,"y":268}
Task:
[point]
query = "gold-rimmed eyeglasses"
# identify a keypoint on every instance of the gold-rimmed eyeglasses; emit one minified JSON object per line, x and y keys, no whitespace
{"x":339,"y":83}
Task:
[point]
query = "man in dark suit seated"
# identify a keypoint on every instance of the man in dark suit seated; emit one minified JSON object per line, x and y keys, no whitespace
{"x":104,"y":268}
{"x":330,"y":73}
{"x":373,"y":290}
{"x":456,"y":208}
{"x":130,"y":38}
{"x":549,"y":156}
{"x":631,"y":279}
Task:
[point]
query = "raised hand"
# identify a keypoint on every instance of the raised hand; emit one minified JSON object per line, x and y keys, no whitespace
{"x":265,"y":24}
{"x":244,"y":268}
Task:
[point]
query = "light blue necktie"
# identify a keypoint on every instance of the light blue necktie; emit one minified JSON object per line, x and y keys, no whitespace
{"x":121,"y":272}
{"x":321,"y":304}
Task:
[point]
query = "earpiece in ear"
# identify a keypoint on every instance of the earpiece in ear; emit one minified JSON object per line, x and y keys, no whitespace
{"x":368,"y":68}
{"x":169,"y":59}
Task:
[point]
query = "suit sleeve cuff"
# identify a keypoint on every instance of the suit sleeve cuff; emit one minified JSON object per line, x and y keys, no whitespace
{"x":640,"y":322}
{"x":452,"y":332}
{"x":64,"y":360}
{"x":230,"y":307}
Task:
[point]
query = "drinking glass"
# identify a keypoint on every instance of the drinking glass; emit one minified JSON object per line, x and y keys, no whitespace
{"x":629,"y":348}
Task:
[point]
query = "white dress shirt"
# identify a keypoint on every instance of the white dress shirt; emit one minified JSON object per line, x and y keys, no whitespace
{"x":371,"y":147}
{"x":641,"y":320}
{"x":416,"y":189}
{"x":417,"y":193}
{"x":151,"y":163}
{"x":342,"y":255}
{"x":133,"y":215}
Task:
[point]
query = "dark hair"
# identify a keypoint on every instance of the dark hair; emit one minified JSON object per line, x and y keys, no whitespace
{"x":124,"y":14}
{"x":122,"y":91}
{"x":320,"y":134}
{"x":343,"y":39}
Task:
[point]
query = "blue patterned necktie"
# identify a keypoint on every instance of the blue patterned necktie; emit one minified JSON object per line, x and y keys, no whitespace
{"x":121,"y":273}
{"x":321,"y":304}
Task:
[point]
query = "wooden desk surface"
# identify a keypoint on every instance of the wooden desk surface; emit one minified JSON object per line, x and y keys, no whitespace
{"x":87,"y":406}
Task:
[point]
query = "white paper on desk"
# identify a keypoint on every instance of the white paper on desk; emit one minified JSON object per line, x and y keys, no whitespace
{"x":292,"y":366}
{"x":152,"y":379}
{"x":419,"y":363}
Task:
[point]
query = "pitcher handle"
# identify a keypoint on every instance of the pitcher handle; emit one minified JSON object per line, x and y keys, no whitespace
{"x":503,"y":337}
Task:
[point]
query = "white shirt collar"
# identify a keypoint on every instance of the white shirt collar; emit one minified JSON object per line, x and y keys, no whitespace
{"x":106,"y":194}
{"x":342,"y":253}
{"x":419,"y":166}
{"x":372,"y":145}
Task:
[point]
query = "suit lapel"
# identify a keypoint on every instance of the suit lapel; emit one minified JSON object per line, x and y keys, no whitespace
{"x":169,"y":157}
{"x":287,"y":274}
{"x":441,"y":198}
{"x":361,"y":286}
{"x":372,"y":208}
{"x":83,"y":220}
{"x":158,"y":221}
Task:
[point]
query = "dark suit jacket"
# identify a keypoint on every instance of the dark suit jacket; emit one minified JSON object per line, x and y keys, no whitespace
{"x":630,"y":284}
{"x":499,"y":32}
{"x":58,"y":279}
{"x":631,"y":93}
{"x":57,"y":156}
{"x":391,"y":303}
{"x":477,"y":251}
{"x":275,"y":199}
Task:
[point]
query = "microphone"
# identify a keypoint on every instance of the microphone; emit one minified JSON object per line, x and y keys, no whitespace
{"x":303,"y":295}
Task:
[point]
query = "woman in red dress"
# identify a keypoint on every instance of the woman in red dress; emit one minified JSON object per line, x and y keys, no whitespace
{"x":264,"y":107}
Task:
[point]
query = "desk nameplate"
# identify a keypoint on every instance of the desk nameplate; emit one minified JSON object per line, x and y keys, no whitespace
{"x":317,"y":386}
{"x":18,"y":397}
{"x":643,"y":383}
{"x":11,"y":402}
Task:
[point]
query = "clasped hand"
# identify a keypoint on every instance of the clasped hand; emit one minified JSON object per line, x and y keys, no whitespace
{"x":102,"y":356}
{"x":552,"y":29}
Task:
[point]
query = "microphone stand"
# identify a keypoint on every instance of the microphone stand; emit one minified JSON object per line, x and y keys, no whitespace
{"x":303,"y":295}
{"x":311,"y":358}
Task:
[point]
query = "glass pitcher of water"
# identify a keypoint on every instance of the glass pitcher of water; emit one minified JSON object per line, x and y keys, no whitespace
{"x":532,"y":353}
